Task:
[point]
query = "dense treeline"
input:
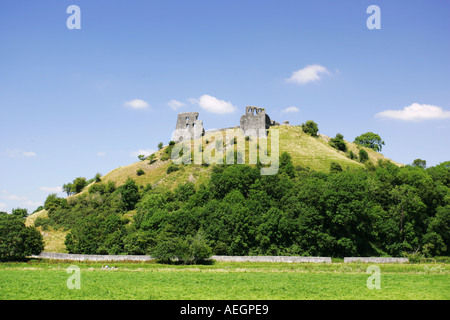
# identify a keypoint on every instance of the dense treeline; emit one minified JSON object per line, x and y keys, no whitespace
{"x":387,"y":210}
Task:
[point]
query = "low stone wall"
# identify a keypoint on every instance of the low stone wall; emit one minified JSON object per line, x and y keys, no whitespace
{"x":88,"y":257}
{"x":376,"y":260}
{"x":288,"y":259}
{"x":272,"y":259}
{"x":91,"y":257}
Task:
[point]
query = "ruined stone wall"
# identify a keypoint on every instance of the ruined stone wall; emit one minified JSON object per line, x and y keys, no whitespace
{"x":255,"y":121}
{"x":188,"y":127}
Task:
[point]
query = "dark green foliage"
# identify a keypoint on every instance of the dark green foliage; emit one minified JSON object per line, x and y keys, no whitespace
{"x":338,"y":142}
{"x":286,"y":165}
{"x":363,"y":155}
{"x":98,"y":177}
{"x":352,"y":156}
{"x":335,"y":167}
{"x":311,"y":128}
{"x":77,"y":185}
{"x":129,"y":194}
{"x":19,"y":212}
{"x":16,"y":240}
{"x":370,"y":140}
{"x":419,"y":163}
{"x":387,"y":210}
{"x":140,"y":172}
{"x":172,"y":168}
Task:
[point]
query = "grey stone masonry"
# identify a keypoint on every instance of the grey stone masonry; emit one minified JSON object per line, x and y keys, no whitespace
{"x":95,"y":257}
{"x":289,"y":259}
{"x":376,"y":260}
{"x":255,"y":122}
{"x":188,"y":127}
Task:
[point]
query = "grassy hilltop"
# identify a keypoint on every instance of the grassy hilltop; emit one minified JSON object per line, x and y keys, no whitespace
{"x":307,"y":153}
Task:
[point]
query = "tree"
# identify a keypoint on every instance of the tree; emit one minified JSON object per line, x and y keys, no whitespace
{"x":130,"y":194}
{"x":311,"y":128}
{"x":79,"y":184}
{"x":160,"y":145}
{"x":98,"y":177}
{"x":370,"y":140}
{"x":419,"y":163}
{"x":18,"y":241}
{"x":67,"y":188}
{"x":338,"y":142}
{"x":363,"y":155}
{"x":20,"y":213}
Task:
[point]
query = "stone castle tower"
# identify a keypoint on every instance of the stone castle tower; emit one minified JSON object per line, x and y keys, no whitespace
{"x":188,"y":127}
{"x":255,"y":121}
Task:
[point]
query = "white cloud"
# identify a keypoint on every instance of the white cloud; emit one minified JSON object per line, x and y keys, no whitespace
{"x":101,"y":154}
{"x":308,"y":74}
{"x":17,"y":152}
{"x":213,"y":105}
{"x":175,"y":104}
{"x":29,"y":154}
{"x":137,"y":104}
{"x":415,"y":112}
{"x":2,"y":205}
{"x":145,"y":152}
{"x":290,"y":110}
{"x":51,"y":189}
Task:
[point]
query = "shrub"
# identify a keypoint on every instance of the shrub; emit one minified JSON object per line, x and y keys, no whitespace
{"x":45,"y":223}
{"x":363,"y":155}
{"x":338,"y":142}
{"x":98,"y":177}
{"x":311,"y":128}
{"x":140,"y":172}
{"x":352,"y":156}
{"x":172,"y":168}
{"x":335,"y":167}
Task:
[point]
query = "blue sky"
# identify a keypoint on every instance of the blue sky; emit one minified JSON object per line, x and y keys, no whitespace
{"x":77,"y":102}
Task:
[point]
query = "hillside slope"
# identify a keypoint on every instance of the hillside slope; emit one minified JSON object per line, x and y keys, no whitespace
{"x":306,"y":152}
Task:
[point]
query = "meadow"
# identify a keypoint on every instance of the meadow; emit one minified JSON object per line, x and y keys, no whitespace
{"x":47,"y":280}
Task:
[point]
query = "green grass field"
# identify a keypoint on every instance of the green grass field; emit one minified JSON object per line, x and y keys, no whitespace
{"x":222,"y":281}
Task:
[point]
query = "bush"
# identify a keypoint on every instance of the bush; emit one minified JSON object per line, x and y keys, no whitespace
{"x":172,"y":168}
{"x":45,"y":223}
{"x":338,"y":142}
{"x":311,"y":128}
{"x":352,"y":156}
{"x":363,"y":155}
{"x":18,"y":241}
{"x":335,"y":167}
{"x":193,"y":250}
{"x":98,"y":177}
{"x":140,"y":172}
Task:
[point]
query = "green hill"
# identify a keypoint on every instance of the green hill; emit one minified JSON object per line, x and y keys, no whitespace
{"x":307,"y":153}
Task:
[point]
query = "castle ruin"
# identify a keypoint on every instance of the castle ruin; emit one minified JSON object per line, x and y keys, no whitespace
{"x":255,"y":122}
